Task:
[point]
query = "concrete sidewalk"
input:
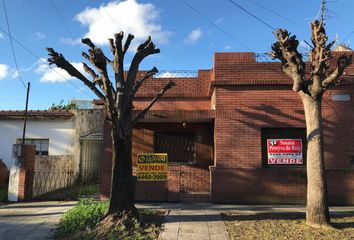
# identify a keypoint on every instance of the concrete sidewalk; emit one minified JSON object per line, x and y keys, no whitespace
{"x":203,"y":221}
{"x":30,"y":220}
{"x":36,"y":220}
{"x":190,"y":221}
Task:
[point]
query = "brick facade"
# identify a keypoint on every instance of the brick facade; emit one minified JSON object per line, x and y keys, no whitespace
{"x":229,"y":106}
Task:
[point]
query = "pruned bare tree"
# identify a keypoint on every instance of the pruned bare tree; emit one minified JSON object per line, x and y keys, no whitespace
{"x":311,"y":89}
{"x":118,"y":97}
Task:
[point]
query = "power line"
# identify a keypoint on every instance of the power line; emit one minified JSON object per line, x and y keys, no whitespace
{"x":12,"y":46}
{"x":277,"y":14}
{"x":216,"y":26}
{"x":62,"y":19}
{"x":251,"y":14}
{"x":41,"y":60}
{"x":349,"y":35}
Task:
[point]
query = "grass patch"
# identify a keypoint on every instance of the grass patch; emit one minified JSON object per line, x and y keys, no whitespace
{"x":285,"y":226}
{"x":84,"y":222}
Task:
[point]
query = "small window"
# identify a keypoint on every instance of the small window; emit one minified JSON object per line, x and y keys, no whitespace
{"x":284,"y":147}
{"x":180,"y":147}
{"x":42,"y":145}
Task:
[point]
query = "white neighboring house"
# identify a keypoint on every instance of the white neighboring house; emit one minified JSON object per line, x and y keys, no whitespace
{"x":58,"y":134}
{"x":66,"y":140}
{"x":52,"y":132}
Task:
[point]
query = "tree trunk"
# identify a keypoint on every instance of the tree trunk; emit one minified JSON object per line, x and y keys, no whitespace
{"x":317,"y":213}
{"x":122,"y":196}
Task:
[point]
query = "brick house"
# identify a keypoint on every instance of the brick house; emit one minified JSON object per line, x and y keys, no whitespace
{"x":215,"y":128}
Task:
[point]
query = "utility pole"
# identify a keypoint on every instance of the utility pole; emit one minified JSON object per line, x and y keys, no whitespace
{"x":323,"y":11}
{"x":26,"y":110}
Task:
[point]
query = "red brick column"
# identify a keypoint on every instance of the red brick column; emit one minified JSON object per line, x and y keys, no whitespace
{"x":25,"y":185}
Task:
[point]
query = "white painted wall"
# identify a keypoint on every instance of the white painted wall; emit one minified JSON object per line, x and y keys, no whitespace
{"x":59,"y":132}
{"x":12,"y":194}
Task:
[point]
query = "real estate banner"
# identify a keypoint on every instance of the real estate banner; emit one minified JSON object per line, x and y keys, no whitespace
{"x":151,"y":167}
{"x":284,"y":151}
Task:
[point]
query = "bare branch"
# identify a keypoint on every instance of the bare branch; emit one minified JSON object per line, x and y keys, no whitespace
{"x":118,"y":41}
{"x":321,"y":52}
{"x":147,"y":75}
{"x":333,"y":78}
{"x":112,"y":47}
{"x":109,"y":61}
{"x":86,"y":56}
{"x":61,"y":62}
{"x":88,"y":42}
{"x":285,"y":49}
{"x":99,"y":60}
{"x":118,"y":62}
{"x":90,"y":71}
{"x":127,"y":42}
{"x":142,"y":114}
{"x":137,"y":85}
{"x":144,"y":50}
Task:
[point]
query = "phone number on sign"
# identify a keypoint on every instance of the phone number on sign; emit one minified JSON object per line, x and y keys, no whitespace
{"x":152,"y":177}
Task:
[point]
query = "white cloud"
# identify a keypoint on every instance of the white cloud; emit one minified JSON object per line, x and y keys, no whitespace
{"x":2,"y":36}
{"x":14,"y":74}
{"x":70,"y":41}
{"x":128,"y":16}
{"x":194,"y":36}
{"x":4,"y":70}
{"x":37,"y":36}
{"x":55,"y":74}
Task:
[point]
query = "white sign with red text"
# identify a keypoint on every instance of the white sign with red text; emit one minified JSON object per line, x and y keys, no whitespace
{"x":284,"y":151}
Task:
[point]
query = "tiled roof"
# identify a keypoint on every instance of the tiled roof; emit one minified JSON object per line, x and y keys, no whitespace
{"x":35,"y":114}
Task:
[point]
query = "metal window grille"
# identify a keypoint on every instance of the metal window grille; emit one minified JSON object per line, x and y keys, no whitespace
{"x":180,"y":147}
{"x":42,"y":145}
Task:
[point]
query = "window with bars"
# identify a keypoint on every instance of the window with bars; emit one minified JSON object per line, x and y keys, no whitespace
{"x":180,"y":147}
{"x":42,"y":145}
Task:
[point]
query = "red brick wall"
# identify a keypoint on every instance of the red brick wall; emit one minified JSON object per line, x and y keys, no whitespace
{"x":244,"y":112}
{"x":249,"y":99}
{"x":181,"y":178}
{"x":185,"y":87}
{"x":285,"y":186}
{"x":28,"y":154}
{"x":248,"y":96}
{"x":252,"y":185}
{"x":191,"y":178}
{"x":185,"y":104}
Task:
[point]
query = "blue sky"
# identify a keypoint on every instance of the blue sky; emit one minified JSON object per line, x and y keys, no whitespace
{"x":187,"y":40}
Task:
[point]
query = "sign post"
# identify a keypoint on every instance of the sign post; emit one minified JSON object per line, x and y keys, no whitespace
{"x":151,"y":167}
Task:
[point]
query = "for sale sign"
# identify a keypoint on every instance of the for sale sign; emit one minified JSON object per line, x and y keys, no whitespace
{"x":284,"y":151}
{"x":151,"y":167}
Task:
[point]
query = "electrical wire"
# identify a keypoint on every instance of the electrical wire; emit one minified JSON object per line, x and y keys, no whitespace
{"x":277,"y":14}
{"x":41,"y":60}
{"x":251,"y":14}
{"x":62,"y":19}
{"x":12,"y":46}
{"x":216,"y":26}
